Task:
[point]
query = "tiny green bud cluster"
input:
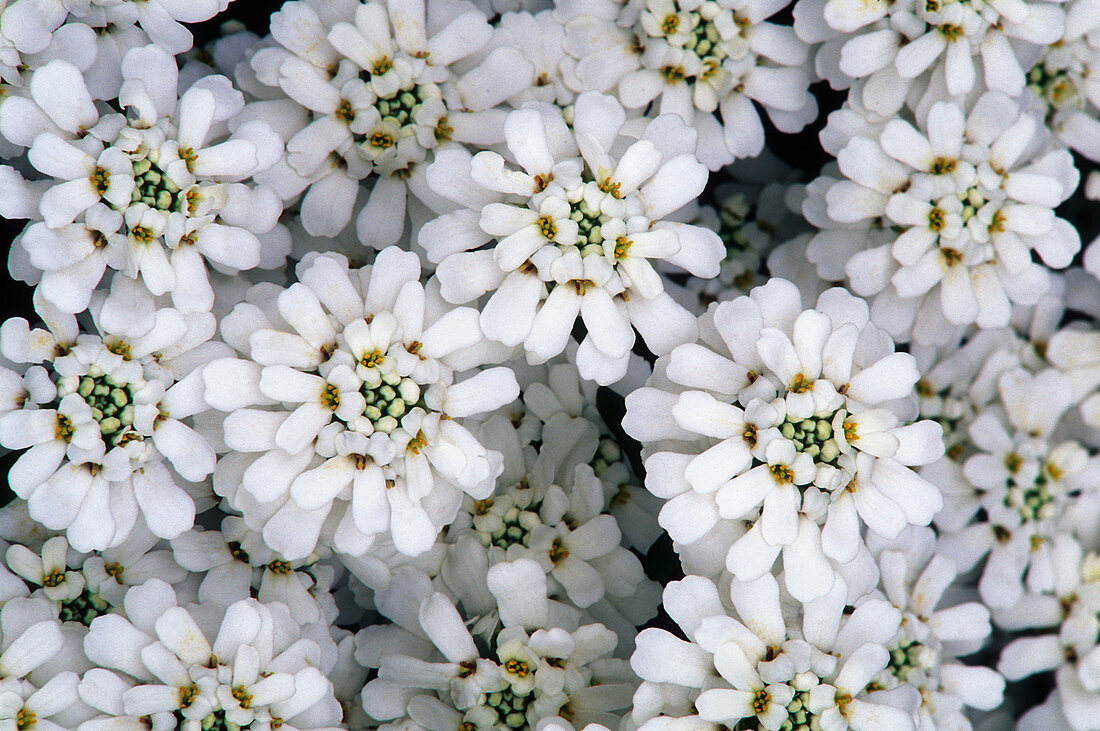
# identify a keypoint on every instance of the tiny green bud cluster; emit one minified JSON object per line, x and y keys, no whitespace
{"x":589,"y":237}
{"x":906,"y":657}
{"x":152,"y":185}
{"x":511,"y":708}
{"x":391,"y":399}
{"x":111,"y":402}
{"x":83,"y":608}
{"x":608,"y":454}
{"x":1034,"y":500}
{"x":813,"y":436}
{"x":501,"y":523}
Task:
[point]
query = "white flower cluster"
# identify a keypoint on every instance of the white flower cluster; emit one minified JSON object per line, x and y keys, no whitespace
{"x":486,"y":365}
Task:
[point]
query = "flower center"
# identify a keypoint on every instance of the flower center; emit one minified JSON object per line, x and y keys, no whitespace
{"x":111,"y":402}
{"x":589,"y":237}
{"x":906,"y":657}
{"x":511,"y":708}
{"x":83,"y":608}
{"x":814,"y":436}
{"x":389,"y":400}
{"x":1031,"y":496}
{"x":152,"y":186}
{"x":506,"y":528}
{"x":25,"y":719}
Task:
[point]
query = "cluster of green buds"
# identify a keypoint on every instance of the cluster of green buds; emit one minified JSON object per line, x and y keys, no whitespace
{"x":733,"y":213}
{"x":608,"y":454}
{"x":389,"y":400}
{"x":111,"y":402}
{"x":1055,"y":86}
{"x":813,"y":436}
{"x":213,"y":722}
{"x":83,"y":608}
{"x":1032,"y":497}
{"x":500,"y":522}
{"x":906,"y":657}
{"x":152,"y":185}
{"x":511,"y":709}
{"x":972,"y":200}
{"x":399,"y":108}
{"x":799,"y":717}
{"x":704,"y":40}
{"x":589,"y":237}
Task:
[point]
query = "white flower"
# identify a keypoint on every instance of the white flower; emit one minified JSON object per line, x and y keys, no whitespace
{"x":248,"y":663}
{"x":814,"y":669}
{"x":551,"y":511}
{"x":931,"y":637}
{"x":798,"y":423}
{"x":885,"y":51}
{"x":1019,"y":490}
{"x":237,"y":563}
{"x":100,"y":447}
{"x":359,"y":367}
{"x":705,"y":61}
{"x":571,"y":233}
{"x":970,"y":199}
{"x":532,"y":671}
{"x":1070,"y":607}
{"x":1077,"y":354}
{"x":383,"y":88}
{"x":159,"y":199}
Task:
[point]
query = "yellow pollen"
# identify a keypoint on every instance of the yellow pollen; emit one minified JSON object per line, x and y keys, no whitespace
{"x":800,"y":384}
{"x":672,"y":74}
{"x":781,"y":473}
{"x":517,"y":668}
{"x":670,"y":23}
{"x":951,"y":257}
{"x":558,"y":552}
{"x":951,"y":32}
{"x":330,"y":397}
{"x":547,"y":227}
{"x":622,"y":247}
{"x":382,"y":65}
{"x":142,"y":234}
{"x":100,"y":180}
{"x":937,"y":219}
{"x":611,"y":188}
{"x":63,"y":430}
{"x":345,"y":112}
{"x":242,"y":695}
{"x":381,"y":140}
{"x":943,"y":165}
{"x":25,"y":719}
{"x":188,"y":155}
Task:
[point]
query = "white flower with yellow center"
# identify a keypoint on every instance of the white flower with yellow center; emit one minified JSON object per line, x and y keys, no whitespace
{"x":707,"y":62}
{"x":245,"y":664}
{"x":384,"y":87}
{"x":751,"y":662}
{"x":798,"y":424}
{"x":345,"y":405}
{"x":1018,"y":490}
{"x":158,"y":201}
{"x":566,"y":227}
{"x":962,"y":203}
{"x":99,"y":453}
